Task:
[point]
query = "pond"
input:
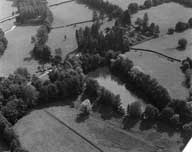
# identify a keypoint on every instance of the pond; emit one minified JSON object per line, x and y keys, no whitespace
{"x":112,"y":83}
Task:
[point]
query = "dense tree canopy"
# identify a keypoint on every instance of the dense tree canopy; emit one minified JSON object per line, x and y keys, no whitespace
{"x":3,"y":42}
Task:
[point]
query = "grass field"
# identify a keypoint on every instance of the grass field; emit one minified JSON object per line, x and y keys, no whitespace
{"x":40,"y":131}
{"x":166,"y":15}
{"x":167,"y":73}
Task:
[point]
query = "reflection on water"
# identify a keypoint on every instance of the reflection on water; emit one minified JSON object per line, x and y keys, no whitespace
{"x":112,"y":83}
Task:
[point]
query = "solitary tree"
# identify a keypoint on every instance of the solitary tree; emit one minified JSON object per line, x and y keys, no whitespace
{"x":182,"y":43}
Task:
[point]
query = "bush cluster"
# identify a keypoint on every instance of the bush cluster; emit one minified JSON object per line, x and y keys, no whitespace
{"x":181,"y":26}
{"x":41,"y":51}
{"x":3,"y":42}
{"x":146,"y":28}
{"x":134,"y":7}
{"x":16,"y":96}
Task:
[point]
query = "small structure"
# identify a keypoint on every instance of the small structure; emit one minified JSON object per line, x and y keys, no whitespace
{"x":85,"y":107}
{"x":188,"y":147}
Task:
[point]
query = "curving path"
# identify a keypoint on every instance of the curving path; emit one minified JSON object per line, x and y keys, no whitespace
{"x":155,"y":52}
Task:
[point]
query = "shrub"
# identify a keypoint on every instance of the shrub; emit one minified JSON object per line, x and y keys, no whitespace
{"x":9,"y":134}
{"x":170,"y":31}
{"x":92,"y":90}
{"x":156,"y":2}
{"x":183,"y":109}
{"x":42,"y":53}
{"x":182,"y":43}
{"x":190,"y":22}
{"x":15,"y":144}
{"x":133,"y":8}
{"x":3,"y":42}
{"x":187,"y":128}
{"x":180,"y":27}
{"x":147,"y":3}
{"x":19,"y":149}
{"x":134,"y":109}
{"x":151,"y":112}
{"x":23,"y":72}
{"x":107,"y":98}
{"x":166,"y":114}
{"x":3,"y":123}
{"x":175,"y":120}
{"x":14,"y":110}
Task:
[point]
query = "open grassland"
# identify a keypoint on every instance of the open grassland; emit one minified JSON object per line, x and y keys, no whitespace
{"x":39,"y":131}
{"x":166,"y":15}
{"x":63,"y":17}
{"x":18,"y":49}
{"x":167,"y":73}
{"x":167,"y":44}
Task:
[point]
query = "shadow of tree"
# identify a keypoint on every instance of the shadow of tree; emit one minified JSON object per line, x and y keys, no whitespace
{"x":146,"y":125}
{"x":165,"y":128}
{"x":82,"y":117}
{"x":186,"y":137}
{"x":129,"y":122}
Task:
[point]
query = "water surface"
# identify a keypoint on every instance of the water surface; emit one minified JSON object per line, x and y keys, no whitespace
{"x":112,"y":83}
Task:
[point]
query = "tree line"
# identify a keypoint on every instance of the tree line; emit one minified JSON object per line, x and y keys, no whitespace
{"x":113,"y":11}
{"x":32,"y":11}
{"x":3,"y":42}
{"x":91,"y":39}
{"x":161,"y":105}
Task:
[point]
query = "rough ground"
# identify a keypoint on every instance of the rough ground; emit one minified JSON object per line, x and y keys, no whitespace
{"x":58,"y":129}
